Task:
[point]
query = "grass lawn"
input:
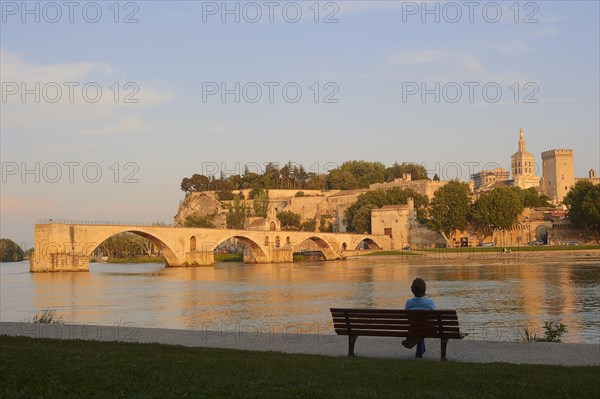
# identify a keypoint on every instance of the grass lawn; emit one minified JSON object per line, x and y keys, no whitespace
{"x":51,"y":368}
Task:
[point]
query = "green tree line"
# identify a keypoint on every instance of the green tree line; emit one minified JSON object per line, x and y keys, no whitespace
{"x":10,"y":251}
{"x":348,"y":176}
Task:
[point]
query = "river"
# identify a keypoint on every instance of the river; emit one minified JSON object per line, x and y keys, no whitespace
{"x":495,"y":299}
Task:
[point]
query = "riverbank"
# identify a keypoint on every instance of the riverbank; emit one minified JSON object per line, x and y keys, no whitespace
{"x":287,"y":339}
{"x":479,"y":253}
{"x":137,"y":259}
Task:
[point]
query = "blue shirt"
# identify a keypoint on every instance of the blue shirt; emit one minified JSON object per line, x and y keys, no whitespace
{"x":419,"y":303}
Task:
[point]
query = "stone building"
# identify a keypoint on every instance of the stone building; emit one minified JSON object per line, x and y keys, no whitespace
{"x":559,"y":173}
{"x":423,"y":187}
{"x":264,"y":224}
{"x":400,"y":223}
{"x":489,"y":179}
{"x":523,"y":166}
{"x":394,"y":221}
{"x":592,"y":177}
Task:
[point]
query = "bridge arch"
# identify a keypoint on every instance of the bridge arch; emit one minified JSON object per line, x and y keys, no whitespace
{"x":324,"y":246}
{"x":369,"y":243}
{"x":256,"y":250}
{"x":170,"y":256}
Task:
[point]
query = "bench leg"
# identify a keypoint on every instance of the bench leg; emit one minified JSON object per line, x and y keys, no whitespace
{"x":351,"y":341}
{"x":444,"y":344}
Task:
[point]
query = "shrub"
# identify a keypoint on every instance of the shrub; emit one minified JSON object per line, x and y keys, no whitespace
{"x":47,"y":316}
{"x":552,"y":333}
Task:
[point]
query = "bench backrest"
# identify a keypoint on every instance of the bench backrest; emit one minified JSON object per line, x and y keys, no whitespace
{"x":396,"y":323}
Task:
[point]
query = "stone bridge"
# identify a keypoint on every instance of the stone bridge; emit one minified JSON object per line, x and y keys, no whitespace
{"x":67,"y":246}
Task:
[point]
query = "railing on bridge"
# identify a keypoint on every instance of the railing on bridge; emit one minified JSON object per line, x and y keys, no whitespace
{"x":101,"y":223}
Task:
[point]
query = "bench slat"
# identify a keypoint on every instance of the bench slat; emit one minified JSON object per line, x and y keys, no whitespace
{"x":394,"y":321}
{"x":399,"y":334}
{"x":396,"y":326}
{"x":392,"y":311}
{"x":428,"y":315}
{"x":421,"y":327}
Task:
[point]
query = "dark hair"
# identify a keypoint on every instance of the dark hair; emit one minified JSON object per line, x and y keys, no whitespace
{"x":418,"y":287}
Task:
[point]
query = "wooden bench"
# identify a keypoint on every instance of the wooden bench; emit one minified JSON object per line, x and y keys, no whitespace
{"x":442,"y":324}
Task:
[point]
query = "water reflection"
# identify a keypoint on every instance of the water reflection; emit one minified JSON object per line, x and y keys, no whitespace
{"x":495,"y":299}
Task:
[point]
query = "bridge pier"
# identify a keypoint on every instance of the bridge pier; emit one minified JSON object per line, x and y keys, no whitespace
{"x":59,"y":262}
{"x":282,"y":255}
{"x":254,"y":257}
{"x":198,"y":258}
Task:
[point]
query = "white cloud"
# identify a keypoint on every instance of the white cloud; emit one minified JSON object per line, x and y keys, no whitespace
{"x":66,"y":110}
{"x":441,"y":65}
{"x":516,"y":47}
{"x":126,"y":125}
{"x":16,"y":69}
{"x":420,"y":57}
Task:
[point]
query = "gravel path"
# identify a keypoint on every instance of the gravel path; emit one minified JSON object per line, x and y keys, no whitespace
{"x":330,"y":345}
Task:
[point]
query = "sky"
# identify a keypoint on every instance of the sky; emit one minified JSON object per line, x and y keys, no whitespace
{"x":106,"y":106}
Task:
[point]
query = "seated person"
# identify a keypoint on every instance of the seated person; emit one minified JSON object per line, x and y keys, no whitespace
{"x":419,"y":302}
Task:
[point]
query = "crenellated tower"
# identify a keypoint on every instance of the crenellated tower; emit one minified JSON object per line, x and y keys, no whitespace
{"x":559,"y":173}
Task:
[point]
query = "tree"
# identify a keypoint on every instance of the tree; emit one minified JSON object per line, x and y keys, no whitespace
{"x":300,"y":176}
{"x":309,"y":225}
{"x":582,"y":201}
{"x":126,"y":245}
{"x":186,"y":185}
{"x":199,"y":183}
{"x":362,"y":219}
{"x":271,"y":177}
{"x":198,"y":221}
{"x":237,"y":214}
{"x":286,"y":173}
{"x":251,"y":179}
{"x":531,"y":197}
{"x":225,"y":195}
{"x":289,"y":220}
{"x":260,"y":203}
{"x":591,"y":206}
{"x":498,"y":209}
{"x":449,"y":209}
{"x":340,"y":180}
{"x":10,"y":251}
{"x":355,"y":174}
{"x":396,"y":171}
